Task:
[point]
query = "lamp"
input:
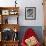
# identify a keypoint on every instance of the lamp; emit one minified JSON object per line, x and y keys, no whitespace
{"x":15,"y":3}
{"x":15,"y":30}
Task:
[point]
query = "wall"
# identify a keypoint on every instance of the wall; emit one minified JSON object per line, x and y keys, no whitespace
{"x":27,"y":3}
{"x":39,"y":12}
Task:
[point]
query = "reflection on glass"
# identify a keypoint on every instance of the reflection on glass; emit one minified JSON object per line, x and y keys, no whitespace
{"x":9,"y":34}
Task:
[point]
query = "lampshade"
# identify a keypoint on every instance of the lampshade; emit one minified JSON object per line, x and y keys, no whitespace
{"x":15,"y":30}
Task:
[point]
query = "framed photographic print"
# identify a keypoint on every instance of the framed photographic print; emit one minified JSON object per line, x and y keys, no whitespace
{"x":5,"y":12}
{"x":30,"y":13}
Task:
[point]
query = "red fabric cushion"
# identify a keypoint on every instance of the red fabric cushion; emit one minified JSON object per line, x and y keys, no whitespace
{"x":29,"y":33}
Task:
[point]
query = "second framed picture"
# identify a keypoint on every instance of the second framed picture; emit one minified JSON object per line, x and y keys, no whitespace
{"x":30,"y":13}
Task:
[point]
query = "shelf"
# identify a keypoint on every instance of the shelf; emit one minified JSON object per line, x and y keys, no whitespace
{"x":10,"y":26}
{"x":4,"y":8}
{"x":11,"y":41}
{"x":9,"y":10}
{"x":9,"y":19}
{"x":5,"y":12}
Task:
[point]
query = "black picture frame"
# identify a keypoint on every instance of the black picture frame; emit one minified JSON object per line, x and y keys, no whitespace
{"x":30,"y":13}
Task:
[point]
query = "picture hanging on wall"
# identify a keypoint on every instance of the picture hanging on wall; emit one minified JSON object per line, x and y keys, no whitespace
{"x":30,"y":13}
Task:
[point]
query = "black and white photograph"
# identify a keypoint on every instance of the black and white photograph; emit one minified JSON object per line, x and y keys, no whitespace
{"x":30,"y":13}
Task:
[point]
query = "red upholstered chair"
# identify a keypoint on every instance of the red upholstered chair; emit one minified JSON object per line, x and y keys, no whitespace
{"x":29,"y":33}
